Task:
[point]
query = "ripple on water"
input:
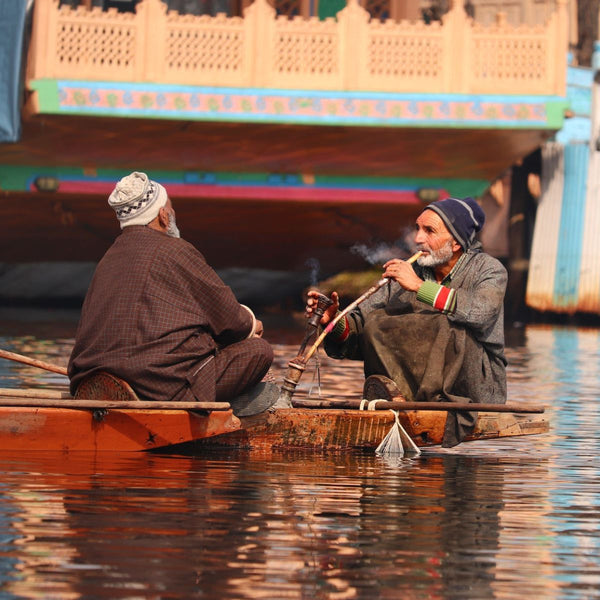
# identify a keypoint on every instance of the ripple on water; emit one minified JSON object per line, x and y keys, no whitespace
{"x":497,"y":519}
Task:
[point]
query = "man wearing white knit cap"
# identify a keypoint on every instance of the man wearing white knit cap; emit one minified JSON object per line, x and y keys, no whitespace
{"x":157,"y":315}
{"x":137,"y":200}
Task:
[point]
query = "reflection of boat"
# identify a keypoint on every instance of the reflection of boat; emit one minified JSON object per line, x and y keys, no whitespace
{"x":40,"y":420}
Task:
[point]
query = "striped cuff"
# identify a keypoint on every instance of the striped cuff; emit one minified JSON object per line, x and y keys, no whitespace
{"x":341,"y":330}
{"x":438,"y":296}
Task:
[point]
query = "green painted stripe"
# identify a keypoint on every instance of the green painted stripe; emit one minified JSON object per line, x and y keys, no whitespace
{"x":16,"y":178}
{"x":47,"y":90}
{"x":555,"y":114}
{"x":456,"y":187}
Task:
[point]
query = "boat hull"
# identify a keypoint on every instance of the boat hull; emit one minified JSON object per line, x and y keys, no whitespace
{"x":339,"y":429}
{"x":25,"y":428}
{"x":123,"y":430}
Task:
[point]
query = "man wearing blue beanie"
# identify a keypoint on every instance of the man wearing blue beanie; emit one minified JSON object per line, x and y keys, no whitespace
{"x":436,"y":331}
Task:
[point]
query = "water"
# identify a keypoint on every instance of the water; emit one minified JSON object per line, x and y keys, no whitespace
{"x":508,"y":518}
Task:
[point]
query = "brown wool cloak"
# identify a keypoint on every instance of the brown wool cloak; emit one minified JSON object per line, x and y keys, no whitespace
{"x":154,"y":314}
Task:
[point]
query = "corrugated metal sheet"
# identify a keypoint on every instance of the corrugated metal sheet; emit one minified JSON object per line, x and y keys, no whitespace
{"x":589,"y":284}
{"x":570,"y":237}
{"x":542,"y":263}
{"x":564,"y":268}
{"x":564,"y":272}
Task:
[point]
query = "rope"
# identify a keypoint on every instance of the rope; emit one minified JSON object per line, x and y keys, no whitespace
{"x":371,"y":404}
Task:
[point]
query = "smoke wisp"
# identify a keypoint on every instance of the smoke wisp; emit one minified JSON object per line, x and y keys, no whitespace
{"x":314,"y":268}
{"x":381,"y":252}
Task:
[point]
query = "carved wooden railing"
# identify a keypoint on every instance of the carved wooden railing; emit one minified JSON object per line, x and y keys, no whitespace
{"x":262,"y":50}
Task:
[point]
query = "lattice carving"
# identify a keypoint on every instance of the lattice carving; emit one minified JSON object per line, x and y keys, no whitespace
{"x":405,"y":50}
{"x":352,"y":52}
{"x":499,"y":54}
{"x":305,"y":47}
{"x":205,"y":44}
{"x":86,"y":41}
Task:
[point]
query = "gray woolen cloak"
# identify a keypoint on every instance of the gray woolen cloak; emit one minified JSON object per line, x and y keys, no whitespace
{"x":434,"y":356}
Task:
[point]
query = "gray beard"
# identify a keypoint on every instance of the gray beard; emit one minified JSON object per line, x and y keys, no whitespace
{"x":172,"y":229}
{"x":438,"y":257}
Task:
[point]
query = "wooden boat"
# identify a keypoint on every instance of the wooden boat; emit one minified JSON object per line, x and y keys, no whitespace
{"x":348,"y":429}
{"x":106,"y":415}
{"x":45,"y":420}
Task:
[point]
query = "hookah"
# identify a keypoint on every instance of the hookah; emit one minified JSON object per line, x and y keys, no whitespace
{"x":297,"y":365}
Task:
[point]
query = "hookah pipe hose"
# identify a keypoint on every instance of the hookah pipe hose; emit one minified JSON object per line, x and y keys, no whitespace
{"x":296,"y":366}
{"x":351,"y":307}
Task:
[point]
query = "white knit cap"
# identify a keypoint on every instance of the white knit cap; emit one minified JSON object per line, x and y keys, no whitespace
{"x":137,"y":199}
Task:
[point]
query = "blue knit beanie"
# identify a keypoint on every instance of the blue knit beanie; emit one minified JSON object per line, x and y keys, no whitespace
{"x":463,"y":218}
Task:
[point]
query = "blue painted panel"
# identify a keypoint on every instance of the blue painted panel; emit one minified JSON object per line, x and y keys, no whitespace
{"x":576,"y":129}
{"x":570,"y":236}
{"x":580,"y":100}
{"x":12,"y":29}
{"x":323,"y":94}
{"x":581,"y":76}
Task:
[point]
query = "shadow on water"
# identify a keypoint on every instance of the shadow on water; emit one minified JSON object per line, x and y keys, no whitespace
{"x":497,"y":519}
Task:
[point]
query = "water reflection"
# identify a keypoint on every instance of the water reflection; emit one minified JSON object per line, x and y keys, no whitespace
{"x":281,"y":525}
{"x":499,"y":519}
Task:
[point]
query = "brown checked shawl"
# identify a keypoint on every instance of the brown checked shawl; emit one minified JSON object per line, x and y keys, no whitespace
{"x":433,"y":356}
{"x":154,"y":315}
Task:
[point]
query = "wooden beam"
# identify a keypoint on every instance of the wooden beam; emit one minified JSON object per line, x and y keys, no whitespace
{"x":109,"y":404}
{"x":437,"y":406}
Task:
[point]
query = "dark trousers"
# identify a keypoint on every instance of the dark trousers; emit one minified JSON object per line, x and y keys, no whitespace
{"x":228,"y":373}
{"x":241,"y":366}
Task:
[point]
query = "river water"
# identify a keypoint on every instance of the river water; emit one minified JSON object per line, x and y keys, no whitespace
{"x":508,"y":518}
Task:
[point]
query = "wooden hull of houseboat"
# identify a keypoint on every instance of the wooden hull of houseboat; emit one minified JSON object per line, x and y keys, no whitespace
{"x":134,"y":430}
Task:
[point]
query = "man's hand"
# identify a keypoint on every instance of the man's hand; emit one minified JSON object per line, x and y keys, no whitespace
{"x":329,"y":314}
{"x":403,"y":273}
{"x":259,"y":329}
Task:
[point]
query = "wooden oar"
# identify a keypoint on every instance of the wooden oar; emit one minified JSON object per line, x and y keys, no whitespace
{"x":447,"y":406}
{"x":32,"y":362}
{"x":112,"y":404}
{"x":33,"y":393}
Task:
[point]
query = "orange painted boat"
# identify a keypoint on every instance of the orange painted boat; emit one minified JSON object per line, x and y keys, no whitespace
{"x":43,"y":420}
{"x":67,"y":429}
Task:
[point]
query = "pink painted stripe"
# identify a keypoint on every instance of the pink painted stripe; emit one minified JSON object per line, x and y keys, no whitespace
{"x":279,"y":193}
{"x":273,"y":193}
